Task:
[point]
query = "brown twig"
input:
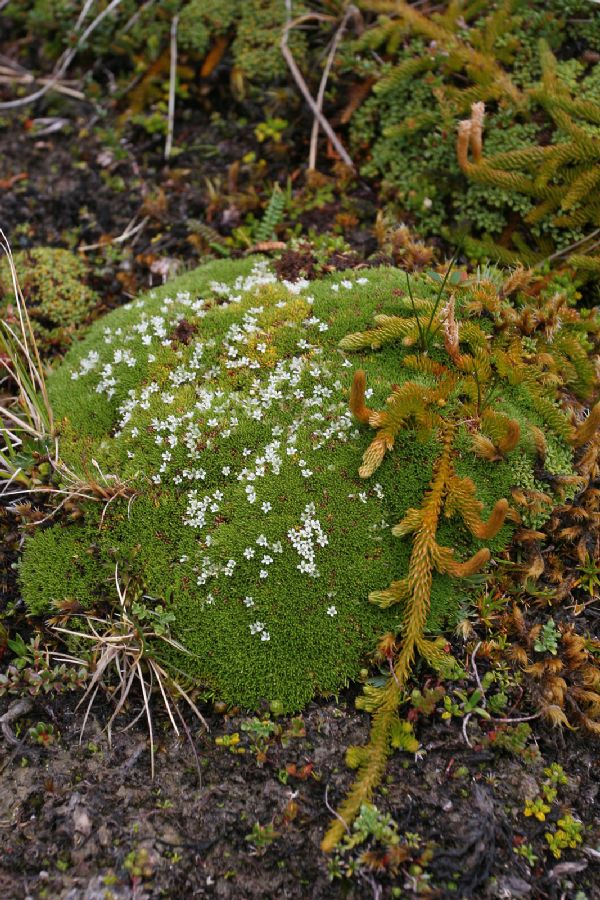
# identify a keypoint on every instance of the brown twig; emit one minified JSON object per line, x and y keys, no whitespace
{"x":351,"y":12}
{"x":299,"y":79}
{"x":172,"y":84}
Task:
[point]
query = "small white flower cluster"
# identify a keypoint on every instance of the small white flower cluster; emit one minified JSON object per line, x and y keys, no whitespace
{"x":347,"y":284}
{"x":364,"y":496}
{"x":306,"y":391}
{"x":195,"y":513}
{"x":314,"y":320}
{"x":269,"y":457}
{"x":266,"y":560}
{"x":295,"y":287}
{"x":243,"y":284}
{"x":259,"y":628}
{"x":86,"y":365}
{"x":305,"y":539}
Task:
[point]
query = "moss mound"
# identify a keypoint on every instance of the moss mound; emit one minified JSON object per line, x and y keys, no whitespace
{"x":53,"y":282}
{"x":214,"y":412}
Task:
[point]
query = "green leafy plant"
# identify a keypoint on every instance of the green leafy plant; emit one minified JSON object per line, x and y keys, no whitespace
{"x":547,"y":640}
{"x":262,"y":836}
{"x":272,"y":216}
{"x":59,"y":300}
{"x":560,"y":176}
{"x":589,"y":577}
{"x":569,"y":834}
{"x":516,"y":739}
{"x":432,"y":65}
{"x":527,"y":853}
{"x":42,"y":734}
{"x":231,"y":742}
{"x":474,"y":379}
{"x":537,"y":808}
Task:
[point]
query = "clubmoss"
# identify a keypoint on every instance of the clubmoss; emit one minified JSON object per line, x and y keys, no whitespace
{"x":220,"y":401}
{"x":429,"y":68}
{"x":58,"y":298}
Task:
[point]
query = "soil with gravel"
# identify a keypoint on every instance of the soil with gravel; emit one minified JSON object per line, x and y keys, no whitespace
{"x":83,"y":820}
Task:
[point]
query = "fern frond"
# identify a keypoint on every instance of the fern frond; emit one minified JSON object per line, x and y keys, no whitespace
{"x":504,"y":431}
{"x":425,"y":365}
{"x":374,"y":454}
{"x":272,"y":216}
{"x":411,"y":522}
{"x":586,"y":182}
{"x":589,"y":264}
{"x":551,"y":414}
{"x":410,"y":401}
{"x":483,"y":447}
{"x":539,"y":441}
{"x":462,"y":499}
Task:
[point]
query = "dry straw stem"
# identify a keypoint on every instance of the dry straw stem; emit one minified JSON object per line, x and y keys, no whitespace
{"x":122,"y":644}
{"x":172,"y":85}
{"x":29,"y":412}
{"x":68,"y":56}
{"x":351,"y":13}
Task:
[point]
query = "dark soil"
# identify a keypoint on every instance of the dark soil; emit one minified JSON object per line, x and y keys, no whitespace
{"x":77,"y":817}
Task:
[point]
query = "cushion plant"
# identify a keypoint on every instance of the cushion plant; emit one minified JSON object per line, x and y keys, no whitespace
{"x":219,"y":423}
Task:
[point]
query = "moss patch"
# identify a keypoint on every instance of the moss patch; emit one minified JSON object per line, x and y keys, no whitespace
{"x":221,"y":399}
{"x":58,"y":299}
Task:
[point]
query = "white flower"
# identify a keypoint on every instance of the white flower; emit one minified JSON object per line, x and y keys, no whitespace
{"x":248,"y":601}
{"x":226,"y":470}
{"x":249,"y":552}
{"x":265,"y":636}
{"x":332,"y":611}
{"x":266,"y":507}
{"x":257,"y":627}
{"x":264,"y":573}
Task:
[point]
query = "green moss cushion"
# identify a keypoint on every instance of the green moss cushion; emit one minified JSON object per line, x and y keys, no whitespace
{"x":54,"y":283}
{"x":221,"y":401}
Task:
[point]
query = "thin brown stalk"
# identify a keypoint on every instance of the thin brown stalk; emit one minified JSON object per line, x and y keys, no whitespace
{"x":299,"y":79}
{"x":172,"y":85}
{"x":351,"y":12}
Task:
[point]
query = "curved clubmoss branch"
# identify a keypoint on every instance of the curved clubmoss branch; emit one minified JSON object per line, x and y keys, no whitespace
{"x":453,"y":398}
{"x":446,"y":491}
